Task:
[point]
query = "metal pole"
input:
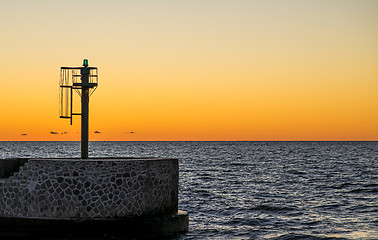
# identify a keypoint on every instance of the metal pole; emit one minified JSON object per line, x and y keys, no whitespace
{"x":84,"y":111}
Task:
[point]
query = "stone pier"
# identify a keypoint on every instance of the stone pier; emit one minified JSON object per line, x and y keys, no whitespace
{"x":119,"y":195}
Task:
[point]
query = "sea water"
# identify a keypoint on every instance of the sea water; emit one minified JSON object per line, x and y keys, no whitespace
{"x":256,"y":190}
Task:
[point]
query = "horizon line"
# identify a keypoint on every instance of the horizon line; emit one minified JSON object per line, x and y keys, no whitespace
{"x":191,"y":141}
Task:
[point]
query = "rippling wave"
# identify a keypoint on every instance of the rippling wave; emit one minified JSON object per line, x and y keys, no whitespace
{"x":257,"y":190}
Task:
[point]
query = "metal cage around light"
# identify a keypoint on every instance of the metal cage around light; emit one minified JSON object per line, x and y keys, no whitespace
{"x":70,"y":80}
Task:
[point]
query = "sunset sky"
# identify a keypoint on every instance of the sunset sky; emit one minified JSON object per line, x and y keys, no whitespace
{"x":193,"y":70}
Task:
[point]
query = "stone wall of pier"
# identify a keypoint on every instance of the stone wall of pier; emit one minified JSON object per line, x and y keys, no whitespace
{"x":93,"y":188}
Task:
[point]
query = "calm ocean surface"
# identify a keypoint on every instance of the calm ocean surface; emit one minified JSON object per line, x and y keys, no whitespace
{"x":257,"y":190}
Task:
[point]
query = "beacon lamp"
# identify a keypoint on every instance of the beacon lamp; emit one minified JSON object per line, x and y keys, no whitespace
{"x":85,"y":63}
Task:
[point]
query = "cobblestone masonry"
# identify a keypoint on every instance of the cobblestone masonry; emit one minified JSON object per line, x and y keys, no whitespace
{"x":94,"y":188}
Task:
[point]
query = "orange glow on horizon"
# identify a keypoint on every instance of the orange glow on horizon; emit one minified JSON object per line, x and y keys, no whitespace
{"x":190,"y":71}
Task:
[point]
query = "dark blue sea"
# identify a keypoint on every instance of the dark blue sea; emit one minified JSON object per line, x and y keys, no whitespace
{"x":257,"y":190}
